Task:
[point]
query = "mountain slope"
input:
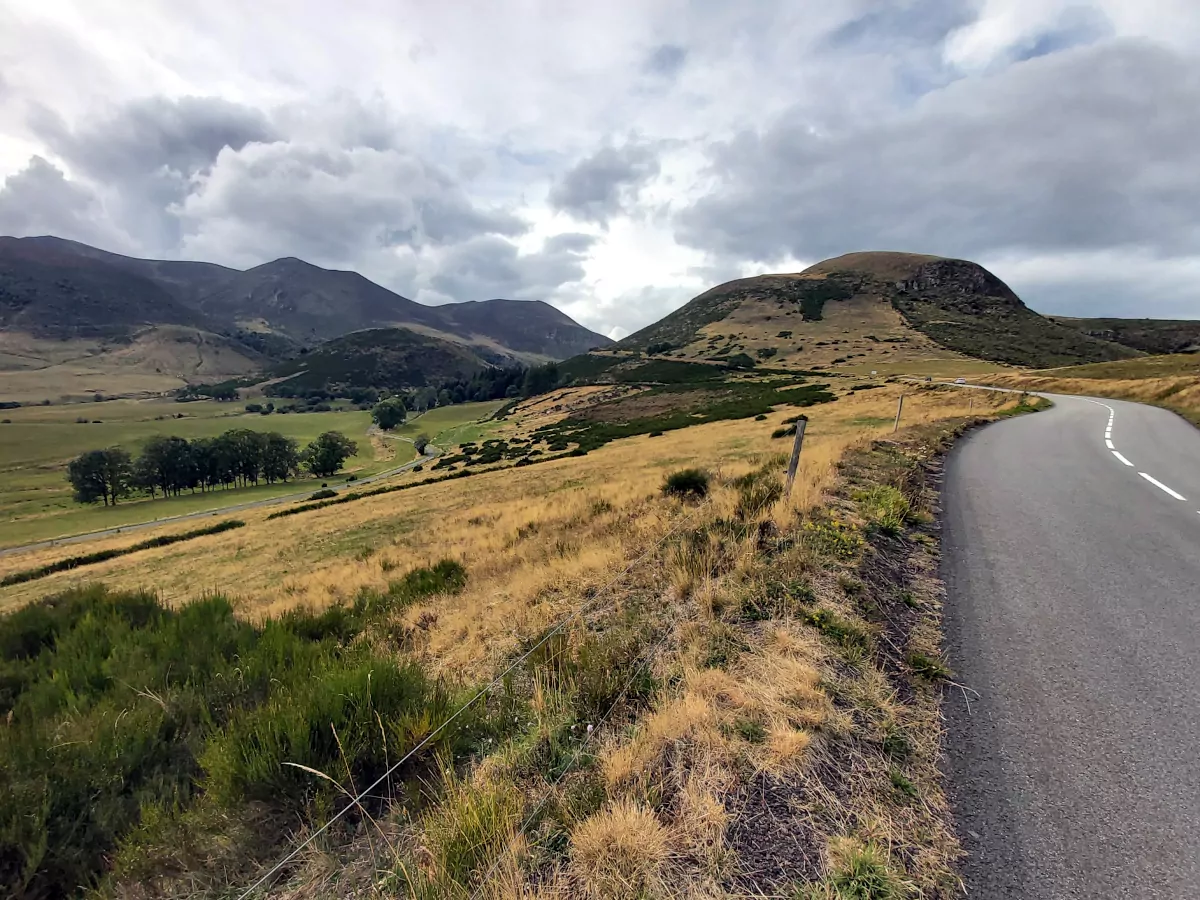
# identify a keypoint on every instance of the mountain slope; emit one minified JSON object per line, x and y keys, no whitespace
{"x":309,"y":303}
{"x":50,"y":291}
{"x":1155,"y":336}
{"x":873,"y":307}
{"x":380,"y":358}
{"x":51,"y":287}
{"x":526,"y":326}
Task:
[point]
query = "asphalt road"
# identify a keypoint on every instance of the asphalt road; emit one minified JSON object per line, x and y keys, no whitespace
{"x":1073,"y":583}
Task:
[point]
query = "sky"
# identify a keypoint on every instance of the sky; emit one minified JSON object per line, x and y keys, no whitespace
{"x":616,"y":159}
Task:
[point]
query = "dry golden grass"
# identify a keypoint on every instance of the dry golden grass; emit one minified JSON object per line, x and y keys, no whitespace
{"x":855,"y":335}
{"x":535,"y":540}
{"x":679,"y":771}
{"x":158,"y":359}
{"x":1180,"y":392}
{"x":620,"y":852}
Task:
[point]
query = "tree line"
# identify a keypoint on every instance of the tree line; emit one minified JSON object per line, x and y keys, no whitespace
{"x":168,"y":465}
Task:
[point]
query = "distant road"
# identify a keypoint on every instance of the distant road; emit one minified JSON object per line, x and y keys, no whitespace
{"x":431,"y":452}
{"x":1072,"y":568}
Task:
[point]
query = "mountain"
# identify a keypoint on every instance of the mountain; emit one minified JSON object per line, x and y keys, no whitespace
{"x":380,"y":358}
{"x":59,"y":289}
{"x":1154,"y":336}
{"x":870,"y":308}
{"x":50,"y":290}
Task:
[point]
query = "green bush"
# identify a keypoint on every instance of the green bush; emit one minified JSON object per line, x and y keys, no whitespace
{"x":885,"y":508}
{"x":122,"y":711}
{"x":323,"y":494}
{"x":686,"y":483}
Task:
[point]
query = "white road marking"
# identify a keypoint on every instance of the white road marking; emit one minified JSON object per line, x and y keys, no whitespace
{"x":1121,"y":458}
{"x":1158,"y":484}
{"x":1110,"y":444}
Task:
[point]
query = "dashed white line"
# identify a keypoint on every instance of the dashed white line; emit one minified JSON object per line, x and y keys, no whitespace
{"x":1158,"y":484}
{"x":1110,"y":444}
{"x":1121,"y":458}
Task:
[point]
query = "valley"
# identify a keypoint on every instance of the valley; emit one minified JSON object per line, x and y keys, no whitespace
{"x":595,"y":648}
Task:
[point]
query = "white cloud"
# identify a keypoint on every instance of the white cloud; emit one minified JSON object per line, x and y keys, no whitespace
{"x":439,"y":148}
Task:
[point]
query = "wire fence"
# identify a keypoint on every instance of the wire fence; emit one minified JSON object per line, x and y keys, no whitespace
{"x":583,"y":609}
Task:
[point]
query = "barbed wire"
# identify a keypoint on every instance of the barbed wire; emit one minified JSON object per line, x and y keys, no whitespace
{"x":495,"y":682}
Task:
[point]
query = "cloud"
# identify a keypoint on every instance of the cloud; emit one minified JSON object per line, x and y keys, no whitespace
{"x":665,"y":60}
{"x":758,"y":135}
{"x":143,"y":156}
{"x":327,"y":205}
{"x":40,"y":200}
{"x":488,"y":266}
{"x":1088,"y":148}
{"x":605,"y":183}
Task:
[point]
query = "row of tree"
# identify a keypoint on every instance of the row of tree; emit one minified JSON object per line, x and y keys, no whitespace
{"x":168,"y":466}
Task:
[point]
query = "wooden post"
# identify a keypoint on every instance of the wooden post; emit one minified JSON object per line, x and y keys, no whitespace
{"x":971,"y":405}
{"x":801,"y":424}
{"x":899,"y":409}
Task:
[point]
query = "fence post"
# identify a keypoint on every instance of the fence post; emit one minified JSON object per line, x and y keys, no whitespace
{"x":899,"y":409}
{"x":801,"y":424}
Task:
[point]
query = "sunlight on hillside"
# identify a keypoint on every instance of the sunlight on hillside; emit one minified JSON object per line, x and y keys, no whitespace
{"x":535,"y":539}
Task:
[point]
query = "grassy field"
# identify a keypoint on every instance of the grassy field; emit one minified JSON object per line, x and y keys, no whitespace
{"x":729,"y":665}
{"x":1172,"y":382}
{"x":35,"y":446}
{"x":314,"y":559}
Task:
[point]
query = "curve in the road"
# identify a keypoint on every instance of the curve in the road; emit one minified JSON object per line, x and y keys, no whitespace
{"x":1072,"y":574}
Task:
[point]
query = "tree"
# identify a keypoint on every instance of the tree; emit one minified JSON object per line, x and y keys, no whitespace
{"x":539,"y":380}
{"x":426,"y":398}
{"x":246,"y":448}
{"x":389,"y":413}
{"x":324,"y":456}
{"x":101,"y":475}
{"x":740,"y":361}
{"x":166,"y":463}
{"x":421,"y":442}
{"x":443,"y":397}
{"x":280,"y":458}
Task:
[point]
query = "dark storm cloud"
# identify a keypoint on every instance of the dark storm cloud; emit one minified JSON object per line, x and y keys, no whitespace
{"x":328,"y":205}
{"x":666,"y":60}
{"x":39,"y":200}
{"x":146,"y":153}
{"x":183,"y":135}
{"x":1089,"y":148}
{"x":489,"y":266}
{"x":605,"y":183}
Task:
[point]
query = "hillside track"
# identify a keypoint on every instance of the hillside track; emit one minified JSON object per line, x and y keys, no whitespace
{"x":1072,"y":569}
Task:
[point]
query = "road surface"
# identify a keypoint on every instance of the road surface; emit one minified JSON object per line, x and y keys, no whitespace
{"x":1072,"y":568}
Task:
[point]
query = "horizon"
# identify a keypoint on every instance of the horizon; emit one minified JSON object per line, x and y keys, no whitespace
{"x":615,"y":162}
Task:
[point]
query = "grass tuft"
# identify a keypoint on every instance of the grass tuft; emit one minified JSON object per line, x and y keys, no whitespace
{"x":687,"y":483}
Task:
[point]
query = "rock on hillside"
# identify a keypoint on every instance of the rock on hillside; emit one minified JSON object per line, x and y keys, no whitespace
{"x":870,"y":307}
{"x":1156,"y":336}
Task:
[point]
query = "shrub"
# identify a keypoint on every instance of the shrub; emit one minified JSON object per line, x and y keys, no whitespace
{"x":686,"y":483}
{"x":784,"y":431}
{"x":322,"y":494}
{"x":837,"y":629}
{"x":445,"y":577}
{"x":120,"y":709}
{"x":885,"y":508}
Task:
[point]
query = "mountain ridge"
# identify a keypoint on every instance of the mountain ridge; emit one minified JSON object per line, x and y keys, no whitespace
{"x":870,"y":305}
{"x":53,"y":287}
